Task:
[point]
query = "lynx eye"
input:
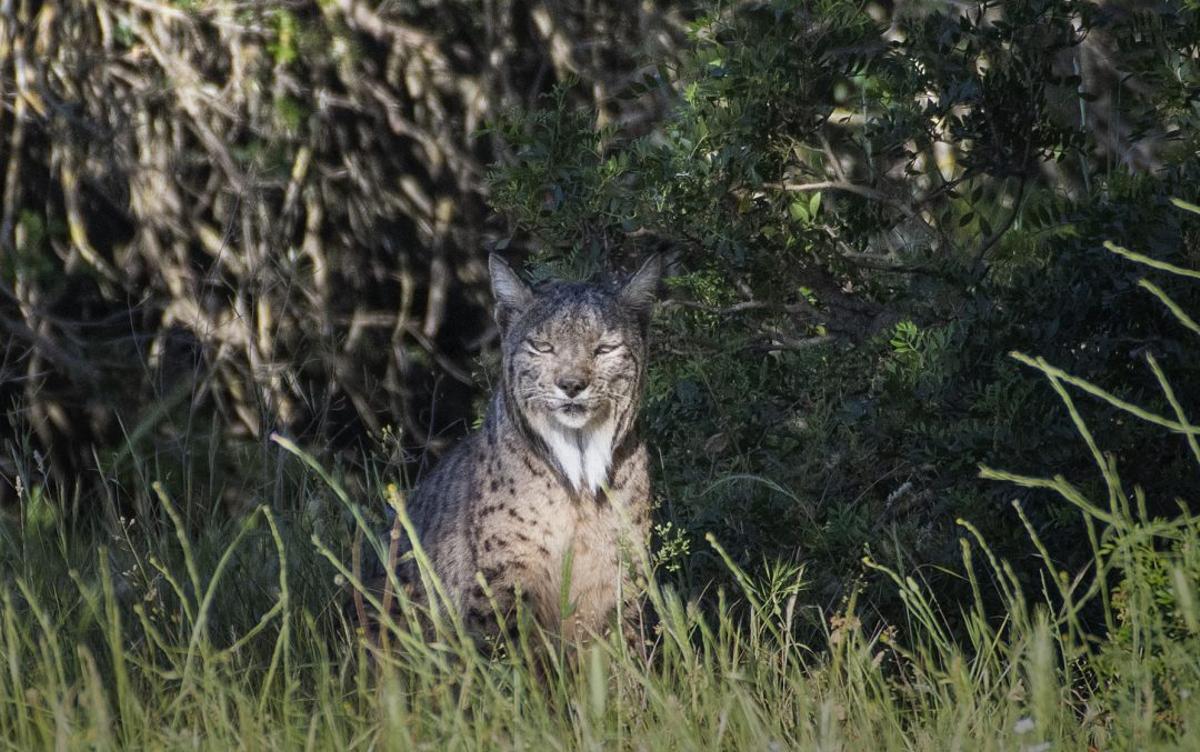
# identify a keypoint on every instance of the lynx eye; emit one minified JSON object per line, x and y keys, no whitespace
{"x":541,"y":346}
{"x":605,"y":349}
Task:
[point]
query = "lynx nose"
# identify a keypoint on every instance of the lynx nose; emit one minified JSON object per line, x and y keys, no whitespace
{"x":571,"y":385}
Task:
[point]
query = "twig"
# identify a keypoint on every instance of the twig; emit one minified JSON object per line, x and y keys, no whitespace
{"x":979,"y":268}
{"x":51,"y":350}
{"x":746,"y":305}
{"x":837,"y":185}
{"x":360,"y":609}
{"x":781,"y":341}
{"x":393,"y":555}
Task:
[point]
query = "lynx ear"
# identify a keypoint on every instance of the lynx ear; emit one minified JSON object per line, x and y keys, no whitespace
{"x":512,"y":295}
{"x":641,"y":290}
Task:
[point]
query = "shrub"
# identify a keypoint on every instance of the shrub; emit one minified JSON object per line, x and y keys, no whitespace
{"x":865,"y":213}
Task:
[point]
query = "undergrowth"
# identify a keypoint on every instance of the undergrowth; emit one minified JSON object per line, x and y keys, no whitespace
{"x":165,"y":629}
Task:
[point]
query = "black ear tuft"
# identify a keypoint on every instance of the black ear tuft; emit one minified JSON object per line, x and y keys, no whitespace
{"x":640,"y":292}
{"x":512,"y":295}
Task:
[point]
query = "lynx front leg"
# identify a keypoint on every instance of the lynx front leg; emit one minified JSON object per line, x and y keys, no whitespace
{"x":636,"y":618}
{"x":636,"y":612}
{"x":498,"y":611}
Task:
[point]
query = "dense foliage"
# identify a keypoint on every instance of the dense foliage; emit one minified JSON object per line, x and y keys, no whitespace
{"x":223,"y":219}
{"x":220,"y":639}
{"x":926,"y":454}
{"x":869,"y":214}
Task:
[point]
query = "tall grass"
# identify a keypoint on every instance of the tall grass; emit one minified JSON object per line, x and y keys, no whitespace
{"x":175,"y":631}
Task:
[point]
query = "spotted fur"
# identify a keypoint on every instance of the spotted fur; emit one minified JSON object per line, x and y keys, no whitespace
{"x":557,"y":472}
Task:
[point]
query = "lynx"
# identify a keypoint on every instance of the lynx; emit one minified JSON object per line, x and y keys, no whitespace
{"x":556,"y":481}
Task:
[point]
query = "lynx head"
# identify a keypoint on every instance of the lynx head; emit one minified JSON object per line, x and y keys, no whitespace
{"x":574,"y":360}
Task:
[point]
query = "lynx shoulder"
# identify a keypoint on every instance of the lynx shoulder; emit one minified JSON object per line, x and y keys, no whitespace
{"x":557,"y":473}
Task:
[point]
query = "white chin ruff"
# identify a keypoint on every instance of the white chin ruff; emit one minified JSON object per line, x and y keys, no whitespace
{"x":583,"y":454}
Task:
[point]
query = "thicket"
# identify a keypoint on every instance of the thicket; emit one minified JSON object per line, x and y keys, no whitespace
{"x":869,"y":213}
{"x":223,"y":219}
{"x":220,"y":638}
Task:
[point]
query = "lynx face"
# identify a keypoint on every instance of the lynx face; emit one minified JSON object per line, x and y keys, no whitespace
{"x":574,"y":365}
{"x":574,"y":359}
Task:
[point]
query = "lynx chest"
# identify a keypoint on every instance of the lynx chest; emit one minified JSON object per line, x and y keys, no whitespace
{"x":567,"y":552}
